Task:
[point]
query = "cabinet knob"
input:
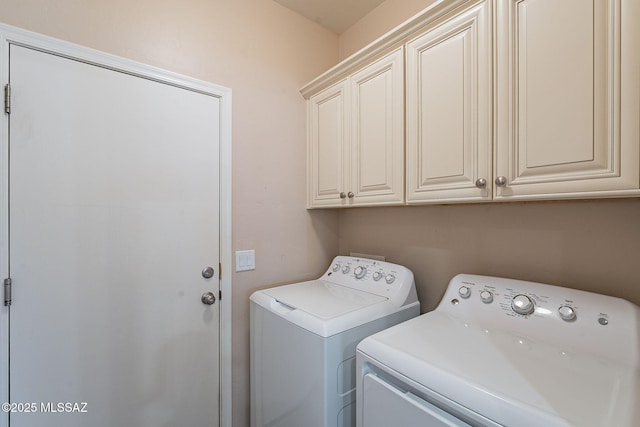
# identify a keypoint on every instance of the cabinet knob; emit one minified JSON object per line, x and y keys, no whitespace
{"x":481,"y":182}
{"x":342,"y":195}
{"x":501,"y":181}
{"x":350,"y":195}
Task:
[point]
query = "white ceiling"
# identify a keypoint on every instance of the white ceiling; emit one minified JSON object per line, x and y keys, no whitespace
{"x":336,"y":15}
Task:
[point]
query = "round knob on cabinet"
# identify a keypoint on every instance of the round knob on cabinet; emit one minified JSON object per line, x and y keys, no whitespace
{"x":522,"y":304}
{"x":360,"y":272}
{"x":464,"y":291}
{"x":567,"y":313}
{"x":390,"y":278}
{"x":377,"y":276}
{"x":350,"y":195}
{"x":481,"y":183}
{"x":486,"y":297}
{"x":343,"y":195}
{"x":501,"y":181}
{"x":345,"y":269}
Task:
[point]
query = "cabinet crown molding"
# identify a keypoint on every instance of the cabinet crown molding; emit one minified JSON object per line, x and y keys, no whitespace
{"x":383,"y":44}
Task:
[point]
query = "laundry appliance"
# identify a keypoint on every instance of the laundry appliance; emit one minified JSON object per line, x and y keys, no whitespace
{"x":304,"y":336}
{"x":502,"y":352}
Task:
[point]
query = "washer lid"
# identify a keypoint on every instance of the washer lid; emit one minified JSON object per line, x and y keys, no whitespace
{"x":323,"y":299}
{"x":325,"y":308}
{"x":507,"y":377}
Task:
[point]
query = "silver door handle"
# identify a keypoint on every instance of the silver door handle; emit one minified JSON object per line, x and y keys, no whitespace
{"x":208,"y":298}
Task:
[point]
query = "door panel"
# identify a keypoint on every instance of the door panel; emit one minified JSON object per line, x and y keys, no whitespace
{"x":377,"y":176}
{"x":449,"y":113}
{"x":329,"y":158}
{"x":564,"y":98}
{"x":114,"y":212}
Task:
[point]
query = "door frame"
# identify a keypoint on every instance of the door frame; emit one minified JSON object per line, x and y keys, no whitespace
{"x":12,"y":35}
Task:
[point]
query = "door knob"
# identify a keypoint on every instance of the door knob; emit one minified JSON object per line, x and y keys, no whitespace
{"x":208,"y":298}
{"x":501,"y":181}
{"x":481,"y":182}
{"x":343,"y":195}
{"x":350,"y":195}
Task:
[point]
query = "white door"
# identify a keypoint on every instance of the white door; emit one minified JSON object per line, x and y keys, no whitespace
{"x":114,"y":213}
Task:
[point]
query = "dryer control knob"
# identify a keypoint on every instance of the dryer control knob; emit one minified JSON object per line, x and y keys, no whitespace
{"x":522,"y":304}
{"x":390,"y":278}
{"x":335,"y":267}
{"x":360,"y":272}
{"x":464,"y":291}
{"x":486,"y":297}
{"x":567,"y":313}
{"x":345,"y":269}
{"x":377,"y":276}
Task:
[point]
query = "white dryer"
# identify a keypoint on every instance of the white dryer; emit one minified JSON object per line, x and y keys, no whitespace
{"x":304,"y":337}
{"x":501,"y":352}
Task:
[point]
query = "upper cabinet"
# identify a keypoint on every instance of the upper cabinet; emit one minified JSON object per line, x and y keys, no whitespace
{"x":567,"y":96}
{"x":356,"y":138}
{"x":449,"y":110}
{"x":504,"y":100}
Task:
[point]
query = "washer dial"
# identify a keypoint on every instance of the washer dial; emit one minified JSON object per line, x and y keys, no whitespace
{"x":486,"y":297}
{"x":522,"y":304}
{"x":390,"y":278}
{"x":335,"y":267}
{"x":377,"y":276}
{"x":360,"y":272}
{"x":345,"y":269}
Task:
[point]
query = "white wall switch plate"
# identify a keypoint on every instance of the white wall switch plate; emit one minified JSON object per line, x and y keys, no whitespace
{"x":246,"y":260}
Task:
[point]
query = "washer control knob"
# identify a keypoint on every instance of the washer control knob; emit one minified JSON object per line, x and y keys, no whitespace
{"x":486,"y":297}
{"x":389,"y":278}
{"x":522,"y":304}
{"x":360,"y":272}
{"x":567,"y":313}
{"x":345,"y":269}
{"x":377,"y":276}
{"x":464,"y":291}
{"x":335,"y":267}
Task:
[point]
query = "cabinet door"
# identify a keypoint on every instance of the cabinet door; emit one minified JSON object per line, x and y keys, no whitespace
{"x":567,"y":99}
{"x":327,"y":151}
{"x":449,"y":110}
{"x":377,"y":136}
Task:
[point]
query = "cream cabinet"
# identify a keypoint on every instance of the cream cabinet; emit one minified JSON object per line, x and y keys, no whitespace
{"x":567,"y":99}
{"x":449,"y":110}
{"x":505,"y":100}
{"x":356,"y":138}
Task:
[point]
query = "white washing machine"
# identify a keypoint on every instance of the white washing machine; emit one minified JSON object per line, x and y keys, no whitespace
{"x":304,"y":337}
{"x":501,"y":352}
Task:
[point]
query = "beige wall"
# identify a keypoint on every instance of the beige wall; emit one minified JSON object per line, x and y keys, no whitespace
{"x":588,"y":245}
{"x":264,"y":53}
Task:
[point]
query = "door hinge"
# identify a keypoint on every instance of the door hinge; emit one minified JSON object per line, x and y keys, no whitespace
{"x":219,"y":295}
{"x":7,"y":98}
{"x":219,"y":271}
{"x":7,"y":291}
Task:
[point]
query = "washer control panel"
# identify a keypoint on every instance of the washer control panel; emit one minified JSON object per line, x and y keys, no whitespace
{"x":382,"y":278}
{"x":563,"y":316}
